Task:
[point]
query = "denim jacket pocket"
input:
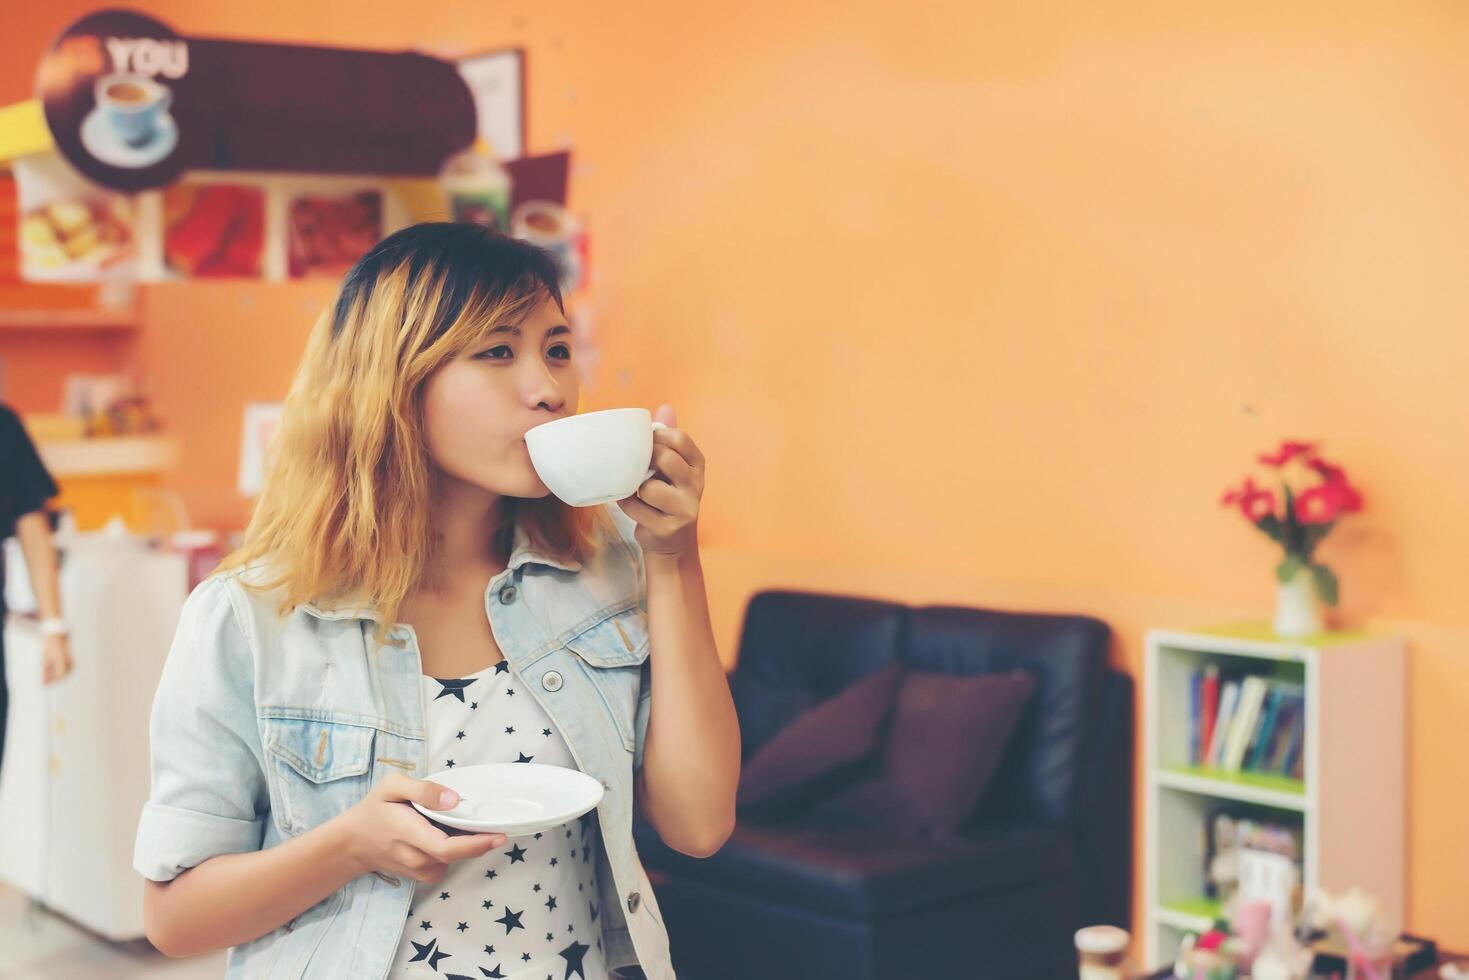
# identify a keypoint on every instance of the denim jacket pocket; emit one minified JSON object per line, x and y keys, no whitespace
{"x":620,"y":640}
{"x":316,"y":768}
{"x":612,"y":652}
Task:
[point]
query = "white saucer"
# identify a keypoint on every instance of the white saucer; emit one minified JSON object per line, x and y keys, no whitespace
{"x":516,"y":799}
{"x":104,"y":144}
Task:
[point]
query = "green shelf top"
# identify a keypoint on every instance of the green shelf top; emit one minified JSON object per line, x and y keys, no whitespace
{"x":1258,"y":780}
{"x":1264,"y":633}
{"x":1203,"y":908}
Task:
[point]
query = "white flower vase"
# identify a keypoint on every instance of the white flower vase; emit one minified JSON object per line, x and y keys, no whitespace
{"x":1297,"y":606}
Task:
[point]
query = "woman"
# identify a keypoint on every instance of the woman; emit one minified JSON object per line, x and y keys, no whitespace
{"x":25,"y":486}
{"x":409,"y":598}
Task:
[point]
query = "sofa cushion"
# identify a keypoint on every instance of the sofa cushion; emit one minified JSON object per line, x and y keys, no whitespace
{"x":799,"y":649}
{"x":946,"y":741}
{"x":856,"y":874}
{"x":1040,"y":775}
{"x":820,"y":746}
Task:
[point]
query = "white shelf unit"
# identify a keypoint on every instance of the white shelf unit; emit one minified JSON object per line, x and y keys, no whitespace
{"x":1350,"y":805}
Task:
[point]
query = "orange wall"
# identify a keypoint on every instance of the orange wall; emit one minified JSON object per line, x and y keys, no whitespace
{"x":36,"y":362}
{"x":985,"y":303}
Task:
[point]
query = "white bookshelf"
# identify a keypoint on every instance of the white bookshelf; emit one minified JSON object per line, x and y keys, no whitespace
{"x":1350,"y":803}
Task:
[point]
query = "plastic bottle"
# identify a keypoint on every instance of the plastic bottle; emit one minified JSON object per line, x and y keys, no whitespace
{"x":477,"y":187}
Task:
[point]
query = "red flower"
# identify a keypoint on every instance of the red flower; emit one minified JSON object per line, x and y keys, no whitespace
{"x":1287,"y":452}
{"x":1336,"y":477}
{"x":1255,"y":503}
{"x":1335,"y":489}
{"x":1318,"y":505}
{"x":1325,"y":502}
{"x":1329,"y":473}
{"x":1351,"y":500}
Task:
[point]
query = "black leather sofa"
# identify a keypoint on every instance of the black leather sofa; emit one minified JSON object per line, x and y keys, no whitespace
{"x":1047,"y":850}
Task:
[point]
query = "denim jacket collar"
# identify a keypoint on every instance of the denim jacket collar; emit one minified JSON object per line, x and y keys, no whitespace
{"x":522,"y":552}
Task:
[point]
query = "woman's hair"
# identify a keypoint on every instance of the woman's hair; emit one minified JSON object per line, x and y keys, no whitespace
{"x":345,"y":509}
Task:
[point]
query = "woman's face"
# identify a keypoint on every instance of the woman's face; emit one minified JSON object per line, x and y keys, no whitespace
{"x":478,"y":406}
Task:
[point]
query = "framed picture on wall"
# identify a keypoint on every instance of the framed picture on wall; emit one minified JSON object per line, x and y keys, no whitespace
{"x":496,"y":79}
{"x":261,"y":421}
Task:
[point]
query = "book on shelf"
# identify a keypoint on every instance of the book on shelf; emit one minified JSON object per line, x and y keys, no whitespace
{"x":1287,"y":708}
{"x":1228,"y":695}
{"x":1242,"y":722}
{"x":1292,"y":764}
{"x":1195,"y":714}
{"x":1266,"y":728}
{"x":1209,"y":692}
{"x":1251,"y":696}
{"x":1291,"y":707}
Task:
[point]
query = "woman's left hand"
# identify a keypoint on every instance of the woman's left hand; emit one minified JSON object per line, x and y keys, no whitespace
{"x":667,"y":509}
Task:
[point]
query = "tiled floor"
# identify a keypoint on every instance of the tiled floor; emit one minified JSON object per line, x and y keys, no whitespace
{"x":37,"y":945}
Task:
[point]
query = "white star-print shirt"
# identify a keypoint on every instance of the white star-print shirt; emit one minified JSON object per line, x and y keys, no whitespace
{"x":525,"y":911}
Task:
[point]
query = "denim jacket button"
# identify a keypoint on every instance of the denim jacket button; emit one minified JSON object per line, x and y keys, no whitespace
{"x":551,"y":680}
{"x":633,"y":901}
{"x":507,"y":595}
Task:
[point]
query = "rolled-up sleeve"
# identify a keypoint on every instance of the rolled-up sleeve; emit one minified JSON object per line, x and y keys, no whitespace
{"x":208,"y":782}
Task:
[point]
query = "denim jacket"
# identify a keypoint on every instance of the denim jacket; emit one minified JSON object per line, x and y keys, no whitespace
{"x":264,"y":727}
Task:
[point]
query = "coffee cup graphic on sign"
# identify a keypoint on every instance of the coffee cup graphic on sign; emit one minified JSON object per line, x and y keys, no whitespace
{"x":131,"y":126}
{"x":133,"y":105}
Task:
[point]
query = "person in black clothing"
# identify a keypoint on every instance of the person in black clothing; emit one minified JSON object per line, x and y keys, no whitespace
{"x":25,"y":486}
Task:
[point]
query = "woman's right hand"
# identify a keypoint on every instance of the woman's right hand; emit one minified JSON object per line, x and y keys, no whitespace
{"x":383,"y":833}
{"x":55,"y":659}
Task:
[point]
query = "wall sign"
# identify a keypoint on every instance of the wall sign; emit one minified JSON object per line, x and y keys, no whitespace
{"x":132,"y":104}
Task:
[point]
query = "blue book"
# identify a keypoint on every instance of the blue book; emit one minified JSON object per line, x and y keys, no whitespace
{"x":1195,"y":716}
{"x":1265,"y":729}
{"x":1297,"y":736}
{"x":1285,"y":719}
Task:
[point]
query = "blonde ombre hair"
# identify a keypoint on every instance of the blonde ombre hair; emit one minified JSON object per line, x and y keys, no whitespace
{"x":345,"y":513}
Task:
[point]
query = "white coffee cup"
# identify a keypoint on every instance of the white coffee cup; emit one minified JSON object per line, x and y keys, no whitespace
{"x":596,"y":457}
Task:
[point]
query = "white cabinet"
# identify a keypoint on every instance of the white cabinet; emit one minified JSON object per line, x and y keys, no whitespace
{"x":1349,"y":806}
{"x":76,"y":753}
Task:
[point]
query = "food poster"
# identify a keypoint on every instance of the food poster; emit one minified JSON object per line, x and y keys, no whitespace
{"x":214,"y":230}
{"x":71,"y":230}
{"x":328,"y":231}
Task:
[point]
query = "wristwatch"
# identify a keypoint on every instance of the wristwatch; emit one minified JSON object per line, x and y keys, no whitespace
{"x":55,"y":626}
